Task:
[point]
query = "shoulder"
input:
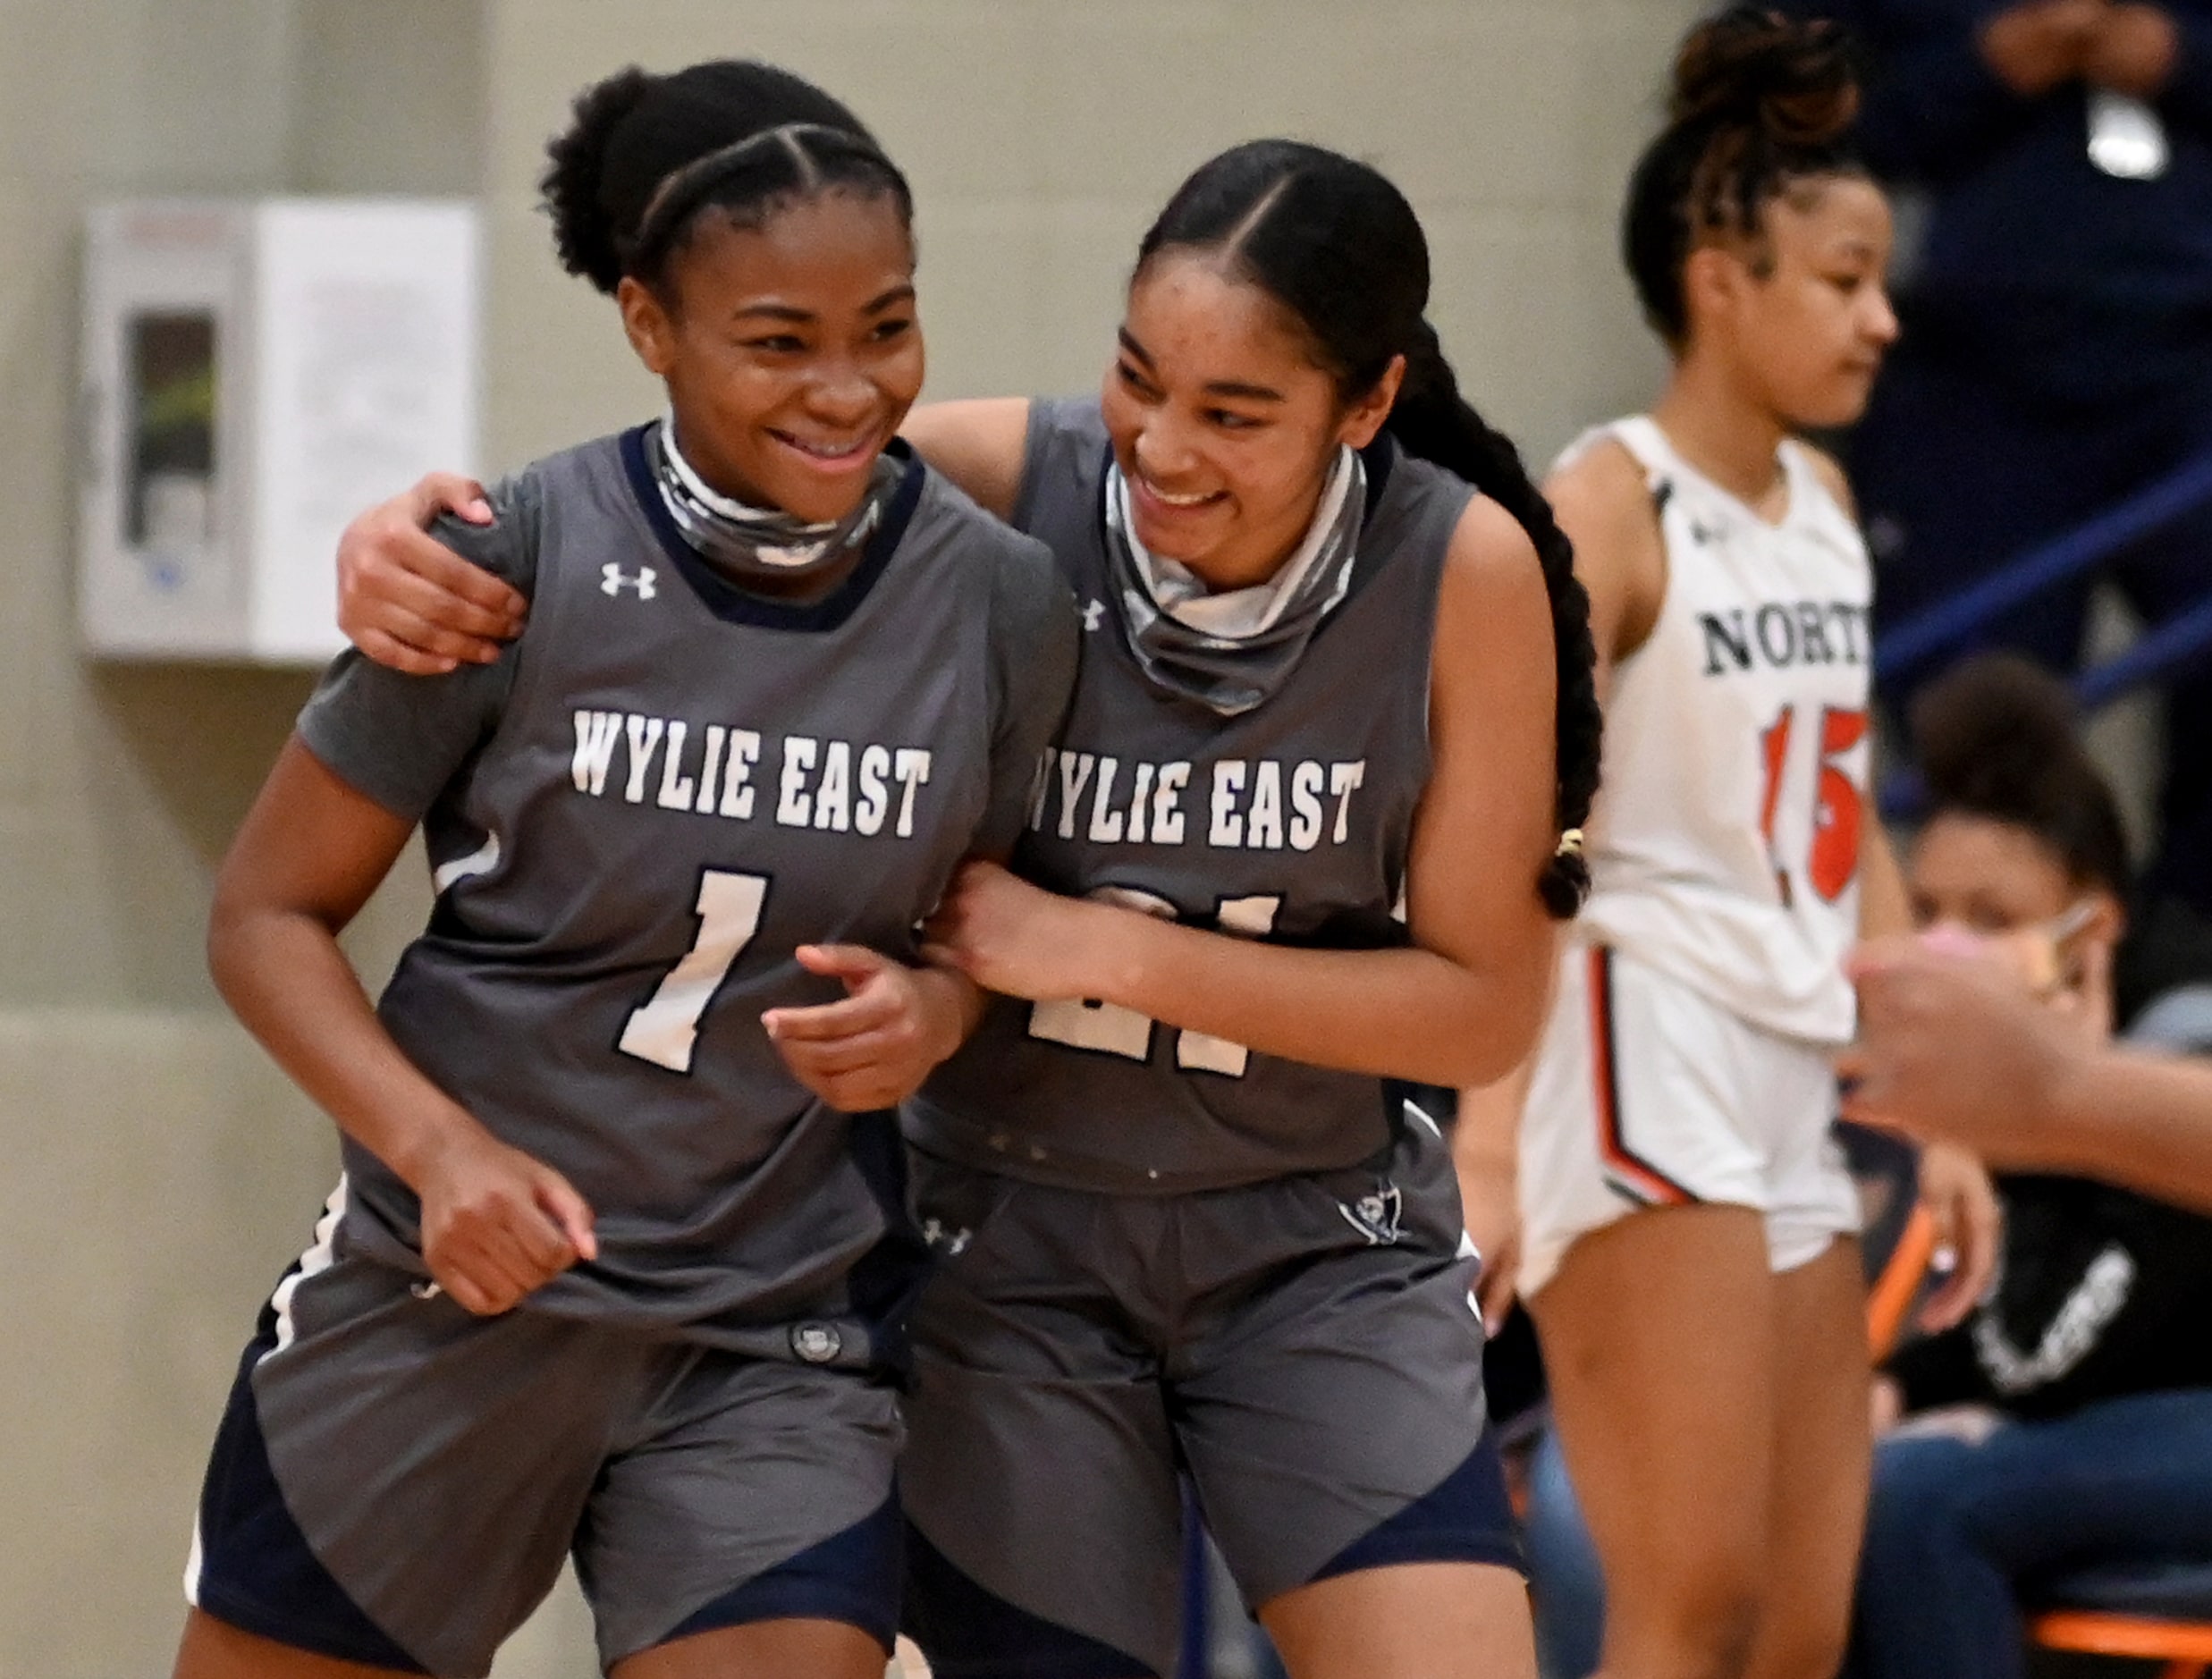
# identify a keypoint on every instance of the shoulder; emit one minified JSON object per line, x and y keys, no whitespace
{"x":1828,"y":473}
{"x":978,"y":443}
{"x":1492,"y":590}
{"x":1602,"y":488}
{"x":508,"y":547}
{"x":1017,"y":570}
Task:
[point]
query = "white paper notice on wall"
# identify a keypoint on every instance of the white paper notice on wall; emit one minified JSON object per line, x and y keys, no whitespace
{"x":256,"y":373}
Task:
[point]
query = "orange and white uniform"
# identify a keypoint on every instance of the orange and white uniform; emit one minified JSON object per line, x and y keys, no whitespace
{"x":1702,"y":991}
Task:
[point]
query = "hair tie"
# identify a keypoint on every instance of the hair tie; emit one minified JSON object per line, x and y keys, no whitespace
{"x":1570,"y":844}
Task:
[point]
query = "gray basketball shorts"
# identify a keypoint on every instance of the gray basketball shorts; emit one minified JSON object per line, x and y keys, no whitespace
{"x":1304,"y":1350}
{"x":395,"y":1482}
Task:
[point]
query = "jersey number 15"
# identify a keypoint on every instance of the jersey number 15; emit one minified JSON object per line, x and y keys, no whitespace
{"x":1839,"y":807}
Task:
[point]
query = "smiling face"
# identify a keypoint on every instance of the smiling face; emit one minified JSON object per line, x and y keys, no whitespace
{"x":1222,"y":422}
{"x":791,"y":350}
{"x":1802,"y":313}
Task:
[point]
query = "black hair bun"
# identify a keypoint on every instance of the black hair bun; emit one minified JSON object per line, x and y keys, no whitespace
{"x":574,"y":184}
{"x":628,"y":133}
{"x":1996,"y":730}
{"x":1795,"y":81}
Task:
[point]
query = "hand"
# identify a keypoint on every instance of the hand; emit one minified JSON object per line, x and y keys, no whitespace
{"x":1952,"y":1047}
{"x":1970,"y":1232}
{"x":2131,"y":50}
{"x":2035,"y":47}
{"x":408,"y":601}
{"x":497,"y":1224}
{"x":873,"y":1046}
{"x":1491,"y":1211}
{"x":1011,"y":937}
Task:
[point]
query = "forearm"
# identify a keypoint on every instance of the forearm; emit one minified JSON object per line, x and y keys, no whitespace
{"x":2143,"y":1121}
{"x":1406,"y":1013}
{"x":284,"y":976}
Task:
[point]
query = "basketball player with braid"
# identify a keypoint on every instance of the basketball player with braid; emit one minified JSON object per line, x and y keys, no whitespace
{"x":616,"y":1266}
{"x":1185,"y":1220}
{"x":1688,"y":1233}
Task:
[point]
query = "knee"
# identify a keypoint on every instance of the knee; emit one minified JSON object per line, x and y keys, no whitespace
{"x":1705,"y":1628}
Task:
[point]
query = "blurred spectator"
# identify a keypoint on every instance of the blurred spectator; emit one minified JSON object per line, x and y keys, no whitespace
{"x":2057,"y":347}
{"x":2068,"y":1420}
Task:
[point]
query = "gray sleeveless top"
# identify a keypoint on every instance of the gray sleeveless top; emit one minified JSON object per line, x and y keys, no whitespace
{"x":1289,"y":822}
{"x":670,"y":785}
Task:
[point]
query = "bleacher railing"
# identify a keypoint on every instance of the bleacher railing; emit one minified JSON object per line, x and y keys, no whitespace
{"x":1954,"y":625}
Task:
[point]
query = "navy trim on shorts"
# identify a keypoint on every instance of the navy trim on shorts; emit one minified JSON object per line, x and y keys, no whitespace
{"x":1465,"y":1519}
{"x":852,"y":1576}
{"x":969,"y":1633}
{"x":257,"y":1573}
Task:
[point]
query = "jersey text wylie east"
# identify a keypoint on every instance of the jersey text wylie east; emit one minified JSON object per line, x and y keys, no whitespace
{"x":1249,"y":805}
{"x":815,"y":783}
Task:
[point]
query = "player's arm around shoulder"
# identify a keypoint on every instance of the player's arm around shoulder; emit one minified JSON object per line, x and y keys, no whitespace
{"x":979,"y":443}
{"x":1487,"y":823}
{"x":1604,"y":503}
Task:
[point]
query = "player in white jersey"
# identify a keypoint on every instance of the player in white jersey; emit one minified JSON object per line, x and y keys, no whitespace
{"x":1687,"y":1227}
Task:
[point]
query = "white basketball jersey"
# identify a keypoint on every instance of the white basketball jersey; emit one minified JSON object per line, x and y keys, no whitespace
{"x":1724,"y":848}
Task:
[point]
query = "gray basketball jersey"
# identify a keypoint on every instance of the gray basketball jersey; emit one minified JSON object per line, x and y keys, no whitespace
{"x":684,"y":782}
{"x":1289,"y":822}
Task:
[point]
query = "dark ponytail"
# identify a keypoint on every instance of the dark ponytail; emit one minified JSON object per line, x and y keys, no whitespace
{"x":1433,"y":422}
{"x":1997,"y":737}
{"x":645,"y":158}
{"x":1338,"y":246}
{"x":1760,"y":101}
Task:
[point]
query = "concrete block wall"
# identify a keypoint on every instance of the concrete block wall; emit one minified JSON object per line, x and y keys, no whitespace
{"x":160,"y":1173}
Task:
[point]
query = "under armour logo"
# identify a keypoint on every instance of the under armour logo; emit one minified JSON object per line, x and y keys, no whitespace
{"x":613,"y":582}
{"x":1094,"y":615}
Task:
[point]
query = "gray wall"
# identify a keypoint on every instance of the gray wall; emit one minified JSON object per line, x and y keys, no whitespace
{"x":160,"y":1172}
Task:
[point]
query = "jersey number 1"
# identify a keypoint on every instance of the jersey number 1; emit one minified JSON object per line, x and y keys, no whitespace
{"x":665,"y":1027}
{"x":1838,"y":806}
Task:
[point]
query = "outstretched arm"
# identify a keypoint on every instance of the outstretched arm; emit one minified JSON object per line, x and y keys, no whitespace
{"x":1952,"y":1049}
{"x":409,"y":601}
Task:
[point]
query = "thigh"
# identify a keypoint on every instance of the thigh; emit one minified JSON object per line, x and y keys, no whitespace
{"x":395,"y":1482}
{"x":1330,"y":1405}
{"x":745,"y":1493}
{"x":1817,"y":1500}
{"x":213,"y":1648}
{"x":1418,"y":1621}
{"x":1658,"y":1340}
{"x":1635,"y":1102}
{"x":1039,"y":1473}
{"x":785,"y":1649}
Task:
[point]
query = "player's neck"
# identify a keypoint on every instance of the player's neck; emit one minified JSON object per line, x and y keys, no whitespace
{"x":1733,"y":441}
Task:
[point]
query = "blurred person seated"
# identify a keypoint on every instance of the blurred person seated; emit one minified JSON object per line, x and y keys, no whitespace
{"x":2053,"y":162}
{"x":2068,"y":1420}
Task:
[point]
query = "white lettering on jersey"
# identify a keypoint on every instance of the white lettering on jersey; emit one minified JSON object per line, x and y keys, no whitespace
{"x":644,"y":734}
{"x":1252,"y":804}
{"x":793,"y":806}
{"x":852,"y":792}
{"x":910,"y":769}
{"x":595,"y":734}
